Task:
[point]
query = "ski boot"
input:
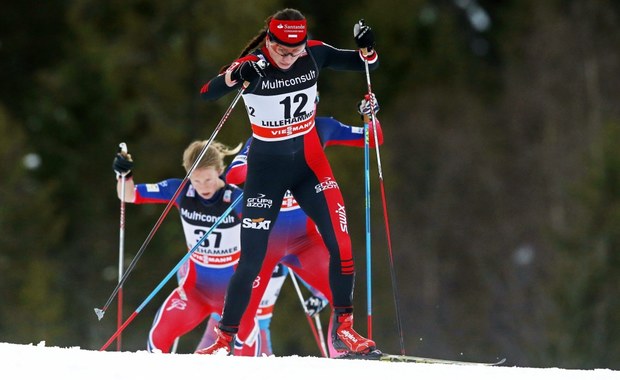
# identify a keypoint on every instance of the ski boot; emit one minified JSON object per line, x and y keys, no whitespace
{"x":347,"y":340}
{"x":223,"y":344}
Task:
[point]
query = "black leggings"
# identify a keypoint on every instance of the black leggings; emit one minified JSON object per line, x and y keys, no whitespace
{"x":298,"y":164}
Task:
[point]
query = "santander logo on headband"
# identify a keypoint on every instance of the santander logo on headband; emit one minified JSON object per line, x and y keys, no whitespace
{"x":288,"y":32}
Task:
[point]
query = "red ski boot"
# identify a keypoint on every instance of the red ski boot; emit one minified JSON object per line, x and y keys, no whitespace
{"x":222,"y":346}
{"x":346,"y":339}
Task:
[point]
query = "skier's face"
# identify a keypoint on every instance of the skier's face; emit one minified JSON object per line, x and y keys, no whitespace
{"x":206,"y":181}
{"x":285,"y":56}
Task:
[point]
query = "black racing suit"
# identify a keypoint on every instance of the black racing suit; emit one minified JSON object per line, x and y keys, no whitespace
{"x":286,"y":154}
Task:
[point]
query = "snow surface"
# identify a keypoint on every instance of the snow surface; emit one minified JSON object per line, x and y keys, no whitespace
{"x":50,"y":363}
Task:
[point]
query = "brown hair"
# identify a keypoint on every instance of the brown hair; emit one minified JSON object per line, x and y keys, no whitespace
{"x":214,"y":156}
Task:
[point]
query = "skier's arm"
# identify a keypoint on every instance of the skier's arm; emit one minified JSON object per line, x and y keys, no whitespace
{"x":333,"y":132}
{"x":160,"y":192}
{"x":330,"y":57}
{"x":246,"y":69}
{"x":349,"y":60}
{"x":237,"y":170}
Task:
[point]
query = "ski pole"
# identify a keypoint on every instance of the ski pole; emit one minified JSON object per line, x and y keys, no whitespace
{"x":175,"y":345}
{"x":368,"y":239}
{"x":385,"y":212}
{"x":319,"y":339}
{"x":101,"y":312}
{"x":121,"y":251}
{"x":172,"y":272}
{"x":319,"y":328}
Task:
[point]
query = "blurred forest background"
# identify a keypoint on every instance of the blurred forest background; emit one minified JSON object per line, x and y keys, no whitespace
{"x":500,"y":164}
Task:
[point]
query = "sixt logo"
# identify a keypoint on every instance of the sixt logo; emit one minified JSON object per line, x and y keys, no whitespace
{"x":256,"y":224}
{"x":342,"y":217}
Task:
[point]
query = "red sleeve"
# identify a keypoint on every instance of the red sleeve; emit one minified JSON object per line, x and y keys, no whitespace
{"x":217,"y":87}
{"x":236,"y":175}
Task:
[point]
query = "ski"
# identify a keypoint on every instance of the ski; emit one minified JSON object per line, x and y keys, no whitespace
{"x":378,"y":355}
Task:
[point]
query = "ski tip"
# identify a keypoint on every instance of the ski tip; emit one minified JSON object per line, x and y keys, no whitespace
{"x":99,"y":313}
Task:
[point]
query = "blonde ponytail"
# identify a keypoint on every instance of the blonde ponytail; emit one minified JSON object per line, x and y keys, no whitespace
{"x":214,"y":155}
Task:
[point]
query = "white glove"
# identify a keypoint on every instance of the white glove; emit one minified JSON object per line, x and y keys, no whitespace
{"x":363,"y":107}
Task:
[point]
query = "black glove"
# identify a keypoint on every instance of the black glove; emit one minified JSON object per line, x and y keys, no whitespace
{"x":363,"y":107}
{"x":314,"y":305}
{"x":249,"y":71}
{"x":364,"y":37}
{"x":122,"y":162}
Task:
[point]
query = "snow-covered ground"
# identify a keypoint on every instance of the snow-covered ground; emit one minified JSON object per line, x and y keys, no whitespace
{"x":50,"y":363}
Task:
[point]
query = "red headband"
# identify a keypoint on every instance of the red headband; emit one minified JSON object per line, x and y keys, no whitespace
{"x":288,"y":32}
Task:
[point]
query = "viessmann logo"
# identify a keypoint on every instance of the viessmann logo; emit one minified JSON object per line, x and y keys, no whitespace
{"x":256,"y":224}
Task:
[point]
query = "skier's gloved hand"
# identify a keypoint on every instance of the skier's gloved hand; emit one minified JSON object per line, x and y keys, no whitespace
{"x":123,"y":163}
{"x":363,"y":107}
{"x":314,"y":305}
{"x":249,"y":70}
{"x":364,"y":37}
